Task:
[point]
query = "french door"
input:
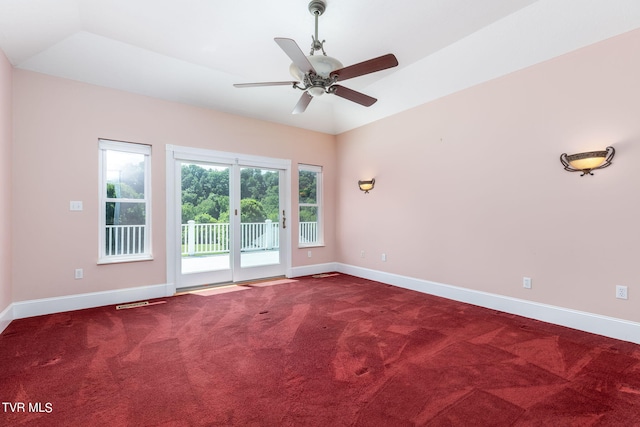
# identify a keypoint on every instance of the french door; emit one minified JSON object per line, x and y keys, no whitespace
{"x":229,"y":216}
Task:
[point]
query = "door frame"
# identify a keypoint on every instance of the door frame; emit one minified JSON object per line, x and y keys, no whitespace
{"x":176,"y":153}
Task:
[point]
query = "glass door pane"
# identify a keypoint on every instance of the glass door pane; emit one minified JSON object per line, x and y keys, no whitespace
{"x":205,"y":223}
{"x":260,"y":218}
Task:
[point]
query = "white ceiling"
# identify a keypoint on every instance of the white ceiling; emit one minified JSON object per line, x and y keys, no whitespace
{"x":192,"y":51}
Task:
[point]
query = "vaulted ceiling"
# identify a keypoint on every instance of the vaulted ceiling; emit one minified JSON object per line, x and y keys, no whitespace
{"x":193,"y":51}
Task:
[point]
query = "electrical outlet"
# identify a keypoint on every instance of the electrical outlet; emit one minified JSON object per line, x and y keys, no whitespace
{"x":621,"y":292}
{"x":361,"y":254}
{"x":79,"y":274}
{"x":384,"y":257}
{"x":526,"y":282}
{"x":309,"y":254}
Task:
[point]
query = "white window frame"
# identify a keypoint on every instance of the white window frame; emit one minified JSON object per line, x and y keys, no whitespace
{"x":127,"y":147}
{"x":319,"y":205}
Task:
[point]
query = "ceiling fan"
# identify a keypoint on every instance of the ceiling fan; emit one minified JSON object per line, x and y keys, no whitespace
{"x":319,"y":74}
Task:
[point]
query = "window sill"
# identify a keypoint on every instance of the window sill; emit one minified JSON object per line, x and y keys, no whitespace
{"x":123,"y":259}
{"x":315,"y":245}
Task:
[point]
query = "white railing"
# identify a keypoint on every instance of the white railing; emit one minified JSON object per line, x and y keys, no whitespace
{"x":259,"y":235}
{"x":214,"y":238}
{"x":124,"y":239}
{"x":205,"y":238}
{"x":208,"y":238}
{"x":308,"y":232}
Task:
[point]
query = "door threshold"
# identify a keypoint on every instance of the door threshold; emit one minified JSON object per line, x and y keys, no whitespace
{"x":191,"y":289}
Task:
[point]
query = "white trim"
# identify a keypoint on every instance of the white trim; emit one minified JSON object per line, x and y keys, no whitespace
{"x":119,"y":259}
{"x":309,"y":168}
{"x":42,"y":306}
{"x":594,"y":323}
{"x":6,"y":317}
{"x":588,"y":322}
{"x":235,"y":161}
{"x":286,"y":204}
{"x":105,"y":145}
{"x":126,"y":147}
{"x":172,"y":216}
{"x":225,"y":157}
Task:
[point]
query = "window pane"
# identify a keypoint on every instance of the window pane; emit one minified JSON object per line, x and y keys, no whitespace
{"x":310,"y":205}
{"x":308,"y":225}
{"x":125,"y":213}
{"x":125,"y":229}
{"x":308,"y":186}
{"x":308,"y":214}
{"x":125,"y":175}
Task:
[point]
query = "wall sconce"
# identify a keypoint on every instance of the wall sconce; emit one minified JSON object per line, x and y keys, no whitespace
{"x":586,"y":162}
{"x":367,"y":185}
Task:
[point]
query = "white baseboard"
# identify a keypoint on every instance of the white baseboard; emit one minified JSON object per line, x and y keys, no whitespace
{"x":309,"y":270}
{"x":37,"y":307}
{"x":6,"y":317}
{"x":594,"y":323}
{"x":597,"y":324}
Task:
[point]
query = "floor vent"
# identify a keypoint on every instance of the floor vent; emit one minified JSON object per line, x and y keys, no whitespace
{"x":132,"y":305}
{"x":323,"y":275}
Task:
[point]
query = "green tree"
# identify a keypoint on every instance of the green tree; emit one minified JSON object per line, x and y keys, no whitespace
{"x":252,"y":184}
{"x":251,"y":210}
{"x":307,"y":187}
{"x":204,"y":218}
{"x":206,"y":191}
{"x":213,"y":205}
{"x":308,"y":214}
{"x":188,"y":212}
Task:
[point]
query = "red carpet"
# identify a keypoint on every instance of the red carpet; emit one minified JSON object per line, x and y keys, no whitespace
{"x":333,"y":351}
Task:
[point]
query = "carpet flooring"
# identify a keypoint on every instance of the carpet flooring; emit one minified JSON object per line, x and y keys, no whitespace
{"x":327,"y":351}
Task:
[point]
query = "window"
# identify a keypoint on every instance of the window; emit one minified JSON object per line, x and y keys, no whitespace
{"x":310,"y":205}
{"x":125,"y":201}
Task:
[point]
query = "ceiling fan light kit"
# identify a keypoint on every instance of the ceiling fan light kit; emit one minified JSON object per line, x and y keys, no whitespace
{"x":318,"y":74}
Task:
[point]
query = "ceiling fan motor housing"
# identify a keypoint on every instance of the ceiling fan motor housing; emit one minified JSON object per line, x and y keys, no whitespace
{"x":324,"y":66}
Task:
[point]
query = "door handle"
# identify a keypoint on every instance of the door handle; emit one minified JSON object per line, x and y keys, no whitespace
{"x":284,"y":220}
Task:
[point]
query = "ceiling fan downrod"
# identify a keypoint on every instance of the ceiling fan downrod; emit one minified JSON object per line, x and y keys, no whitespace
{"x":317,"y":8}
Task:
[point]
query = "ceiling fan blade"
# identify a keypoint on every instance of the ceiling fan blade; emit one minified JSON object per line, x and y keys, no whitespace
{"x":352,"y":95}
{"x":264,"y":84}
{"x":296,"y":55}
{"x":366,"y":67}
{"x":302,"y":104}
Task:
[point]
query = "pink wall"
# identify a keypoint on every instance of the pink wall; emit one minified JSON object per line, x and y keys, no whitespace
{"x":469,"y":188}
{"x":6,"y":127}
{"x":57,"y":126}
{"x":470,"y":192}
